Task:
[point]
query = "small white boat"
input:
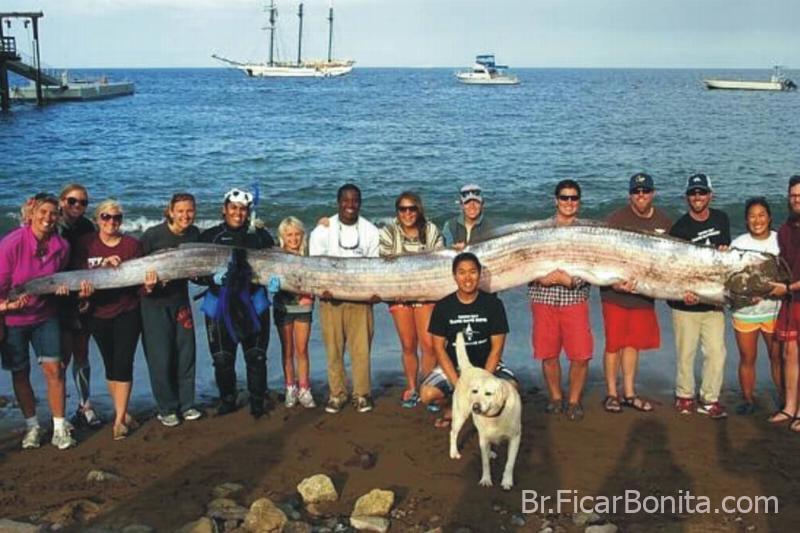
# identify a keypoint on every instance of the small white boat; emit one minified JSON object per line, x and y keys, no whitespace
{"x":75,"y":90}
{"x":487,"y":72}
{"x":777,"y":82}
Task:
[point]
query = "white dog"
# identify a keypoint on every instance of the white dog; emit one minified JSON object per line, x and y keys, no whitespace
{"x":496,"y":410}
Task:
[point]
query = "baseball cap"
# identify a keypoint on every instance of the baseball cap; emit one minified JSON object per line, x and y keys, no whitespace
{"x":698,"y":181}
{"x":641,"y":180}
{"x":471,"y":192}
{"x":238,"y":196}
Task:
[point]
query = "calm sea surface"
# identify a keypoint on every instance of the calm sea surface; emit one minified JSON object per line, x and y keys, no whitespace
{"x":207,"y":130}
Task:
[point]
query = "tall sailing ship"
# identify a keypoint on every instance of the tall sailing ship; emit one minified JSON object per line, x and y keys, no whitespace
{"x":301,"y":69}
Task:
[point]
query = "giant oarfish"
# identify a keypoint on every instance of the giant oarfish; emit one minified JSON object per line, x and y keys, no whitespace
{"x":663,"y":267}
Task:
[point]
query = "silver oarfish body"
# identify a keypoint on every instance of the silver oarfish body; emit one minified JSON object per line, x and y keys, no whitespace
{"x":662,"y":267}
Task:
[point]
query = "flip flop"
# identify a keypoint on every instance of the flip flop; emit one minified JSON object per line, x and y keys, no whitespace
{"x":433,"y":407}
{"x":795,"y":425}
{"x":574,"y":412}
{"x":785,"y":417}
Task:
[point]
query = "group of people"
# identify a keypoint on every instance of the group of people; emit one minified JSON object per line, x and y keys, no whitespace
{"x":57,"y":235}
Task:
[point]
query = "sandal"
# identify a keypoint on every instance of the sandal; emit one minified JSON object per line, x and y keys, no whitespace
{"x":779,"y":417}
{"x":554,"y":407}
{"x":795,"y":425}
{"x":637,"y":403}
{"x":611,"y":404}
{"x":410,"y":399}
{"x":443,"y":422}
{"x":120,"y":432}
{"x":574,"y":412}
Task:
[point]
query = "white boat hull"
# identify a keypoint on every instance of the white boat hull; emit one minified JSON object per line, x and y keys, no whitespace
{"x":74,"y":91}
{"x":746,"y":85}
{"x":470,"y":79}
{"x":322,"y":71}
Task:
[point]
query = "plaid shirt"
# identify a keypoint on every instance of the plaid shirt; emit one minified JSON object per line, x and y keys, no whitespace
{"x":558,"y":295}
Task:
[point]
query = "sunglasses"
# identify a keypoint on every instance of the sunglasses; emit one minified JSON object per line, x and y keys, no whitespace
{"x":470,"y":192}
{"x":569,"y":197}
{"x":105,"y":217}
{"x":641,"y":190}
{"x":408,"y":209}
{"x":697,"y":192}
{"x":72,"y":201}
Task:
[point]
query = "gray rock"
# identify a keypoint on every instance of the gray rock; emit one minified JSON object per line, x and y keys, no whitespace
{"x":101,"y":475}
{"x":203,"y":525}
{"x":227,"y":490}
{"x":603,"y":528}
{"x":80,"y":510}
{"x":586,"y":519}
{"x":370,"y":523}
{"x":517,"y":520}
{"x":264,"y":517}
{"x":290,"y":512}
{"x":317,"y":489}
{"x":225,"y":509}
{"x":376,"y":502}
{"x":546,"y":529}
{"x":11,"y":526}
{"x":297,"y":527}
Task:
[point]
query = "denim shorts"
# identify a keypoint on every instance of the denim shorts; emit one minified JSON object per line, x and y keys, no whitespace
{"x":45,"y":338}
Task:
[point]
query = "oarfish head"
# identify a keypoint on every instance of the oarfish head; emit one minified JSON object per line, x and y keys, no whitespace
{"x":753,"y":281}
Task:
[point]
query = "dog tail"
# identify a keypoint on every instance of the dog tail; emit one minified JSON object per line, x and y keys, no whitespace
{"x":461,"y":352}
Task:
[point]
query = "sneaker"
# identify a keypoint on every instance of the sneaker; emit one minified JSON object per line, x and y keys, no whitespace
{"x":334,"y":405}
{"x":291,"y":396}
{"x":684,"y":406}
{"x":363,"y":404}
{"x":171,"y":420}
{"x":63,"y":440}
{"x":306,"y":399}
{"x":192,"y":414}
{"x":90,"y":417}
{"x":32,"y":438}
{"x":713,"y":410}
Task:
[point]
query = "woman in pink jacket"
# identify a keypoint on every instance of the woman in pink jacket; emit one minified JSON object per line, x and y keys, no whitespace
{"x":31,"y":251}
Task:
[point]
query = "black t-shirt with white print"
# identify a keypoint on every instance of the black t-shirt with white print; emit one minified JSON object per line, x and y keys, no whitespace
{"x":479,"y":320}
{"x":714,"y":231}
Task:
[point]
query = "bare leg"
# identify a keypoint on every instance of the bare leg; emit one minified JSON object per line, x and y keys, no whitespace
{"x":120,"y":395}
{"x":24,"y":392}
{"x":422,"y":319}
{"x":577,"y":379}
{"x":611,"y":364}
{"x":56,"y":391}
{"x":748,"y":350}
{"x":551,"y":368}
{"x":630,"y":366}
{"x":790,"y":375}
{"x":286,"y":335}
{"x":775,"y":362}
{"x":302,"y":332}
{"x":406,"y":330}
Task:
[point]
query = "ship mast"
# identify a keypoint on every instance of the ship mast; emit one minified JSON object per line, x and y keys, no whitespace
{"x":273,"y":12}
{"x":300,"y":34}
{"x":330,"y":30}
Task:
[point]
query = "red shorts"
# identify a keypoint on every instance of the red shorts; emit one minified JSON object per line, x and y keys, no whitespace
{"x":564,"y":327}
{"x":788,"y":322}
{"x":630,"y":328}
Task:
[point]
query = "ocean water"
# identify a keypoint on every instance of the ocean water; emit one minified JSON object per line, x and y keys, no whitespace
{"x":388,"y":130}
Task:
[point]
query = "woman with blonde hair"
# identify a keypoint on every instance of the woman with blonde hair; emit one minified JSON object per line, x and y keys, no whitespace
{"x":33,"y":250}
{"x":292,"y":316}
{"x":114,"y":319}
{"x":411,"y":233}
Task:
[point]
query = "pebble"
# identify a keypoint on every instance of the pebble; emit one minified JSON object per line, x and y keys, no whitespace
{"x":586,"y":519}
{"x":101,"y":475}
{"x":370,"y":523}
{"x":18,"y":527}
{"x":546,"y":529}
{"x":227,"y":490}
{"x":517,"y":520}
{"x":603,"y":528}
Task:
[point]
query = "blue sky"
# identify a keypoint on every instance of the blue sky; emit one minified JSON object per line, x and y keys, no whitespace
{"x":523,"y":33}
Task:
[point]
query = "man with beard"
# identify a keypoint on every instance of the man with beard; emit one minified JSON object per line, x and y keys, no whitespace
{"x":700,"y":323}
{"x":630,"y":319}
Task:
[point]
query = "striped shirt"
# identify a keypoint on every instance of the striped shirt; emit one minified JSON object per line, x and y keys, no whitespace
{"x":394,"y":241}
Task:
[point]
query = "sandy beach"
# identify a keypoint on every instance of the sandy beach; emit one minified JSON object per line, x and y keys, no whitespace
{"x":167,"y":474}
